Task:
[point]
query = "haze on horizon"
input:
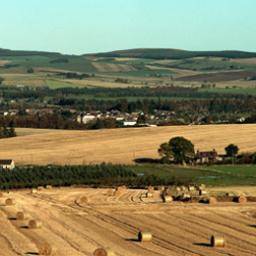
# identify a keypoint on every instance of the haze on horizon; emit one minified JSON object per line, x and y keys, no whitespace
{"x":85,"y":26}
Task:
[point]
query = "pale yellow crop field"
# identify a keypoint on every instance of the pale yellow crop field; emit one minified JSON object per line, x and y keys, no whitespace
{"x":117,"y":145}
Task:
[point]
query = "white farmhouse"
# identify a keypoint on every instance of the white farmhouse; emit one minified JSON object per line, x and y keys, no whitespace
{"x":7,"y":164}
{"x":86,"y":118}
{"x":129,"y":123}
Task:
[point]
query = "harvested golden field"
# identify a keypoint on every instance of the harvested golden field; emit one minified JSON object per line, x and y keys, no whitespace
{"x":4,"y":62}
{"x":245,"y":61}
{"x":112,"y":67}
{"x":100,"y":83}
{"x":34,"y":80}
{"x":117,"y":145}
{"x":74,"y":228}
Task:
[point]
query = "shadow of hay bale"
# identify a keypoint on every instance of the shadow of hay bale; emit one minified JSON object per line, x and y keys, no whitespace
{"x":202,"y":244}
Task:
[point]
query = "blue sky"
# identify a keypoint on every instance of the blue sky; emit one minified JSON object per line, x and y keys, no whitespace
{"x":83,"y":26}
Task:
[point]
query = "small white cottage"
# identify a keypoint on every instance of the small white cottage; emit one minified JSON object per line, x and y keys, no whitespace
{"x":7,"y":164}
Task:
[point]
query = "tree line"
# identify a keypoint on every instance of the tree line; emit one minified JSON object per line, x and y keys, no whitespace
{"x":185,"y":106}
{"x":7,"y":132}
{"x":93,"y":175}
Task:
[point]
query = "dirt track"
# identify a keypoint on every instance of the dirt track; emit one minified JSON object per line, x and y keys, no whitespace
{"x":78,"y":229}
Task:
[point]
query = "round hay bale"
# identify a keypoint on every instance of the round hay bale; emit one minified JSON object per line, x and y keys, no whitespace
{"x":34,"y":224}
{"x":212,"y":200}
{"x":83,"y":200}
{"x":122,"y":187}
{"x":167,"y":199}
{"x":144,"y":236}
{"x":103,"y":252}
{"x":33,"y":190}
{"x":161,"y":188}
{"x":191,"y":188}
{"x":178,"y":189}
{"x":242,"y":199}
{"x":183,"y":188}
{"x":202,"y":192}
{"x":165,"y":191}
{"x":40,"y":188}
{"x":202,"y":186}
{"x":218,"y":241}
{"x":10,"y":201}
{"x":151,"y":188}
{"x":44,"y":248}
{"x":149,"y":194}
{"x":185,"y":196}
{"x":21,"y":216}
{"x":117,"y":192}
{"x":48,"y":187}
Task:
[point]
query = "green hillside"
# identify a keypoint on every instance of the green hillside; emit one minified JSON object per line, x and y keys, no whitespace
{"x":7,"y":52}
{"x":20,"y":61}
{"x":151,"y":67}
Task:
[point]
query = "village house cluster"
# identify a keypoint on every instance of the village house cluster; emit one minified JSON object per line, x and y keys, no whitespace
{"x":126,"y":119}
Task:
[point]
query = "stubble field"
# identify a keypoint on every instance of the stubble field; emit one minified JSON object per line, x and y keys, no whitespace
{"x":120,"y":146}
{"x":76,"y":229}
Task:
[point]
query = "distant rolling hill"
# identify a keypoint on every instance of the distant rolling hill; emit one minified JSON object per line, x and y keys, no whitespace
{"x":151,"y":63}
{"x":148,"y":53}
{"x":13,"y":53}
{"x":160,"y":53}
{"x":20,"y":61}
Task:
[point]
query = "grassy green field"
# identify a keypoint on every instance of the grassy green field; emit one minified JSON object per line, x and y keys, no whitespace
{"x":70,"y":63}
{"x":217,"y":175}
{"x":239,"y":91}
{"x":207,"y":64}
{"x":144,"y":73}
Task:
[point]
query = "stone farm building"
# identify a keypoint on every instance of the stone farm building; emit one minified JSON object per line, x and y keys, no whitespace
{"x":203,"y":157}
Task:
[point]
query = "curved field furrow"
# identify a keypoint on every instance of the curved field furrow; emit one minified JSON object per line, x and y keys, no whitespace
{"x":234,"y":237}
{"x":7,"y":247}
{"x":189,"y":232}
{"x":174,"y":239}
{"x":12,"y":237}
{"x":204,"y":231}
{"x":136,"y":197}
{"x":95,"y":219}
{"x":225,"y":223}
{"x":233,"y":220}
{"x":52,"y":231}
{"x":239,"y":217}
